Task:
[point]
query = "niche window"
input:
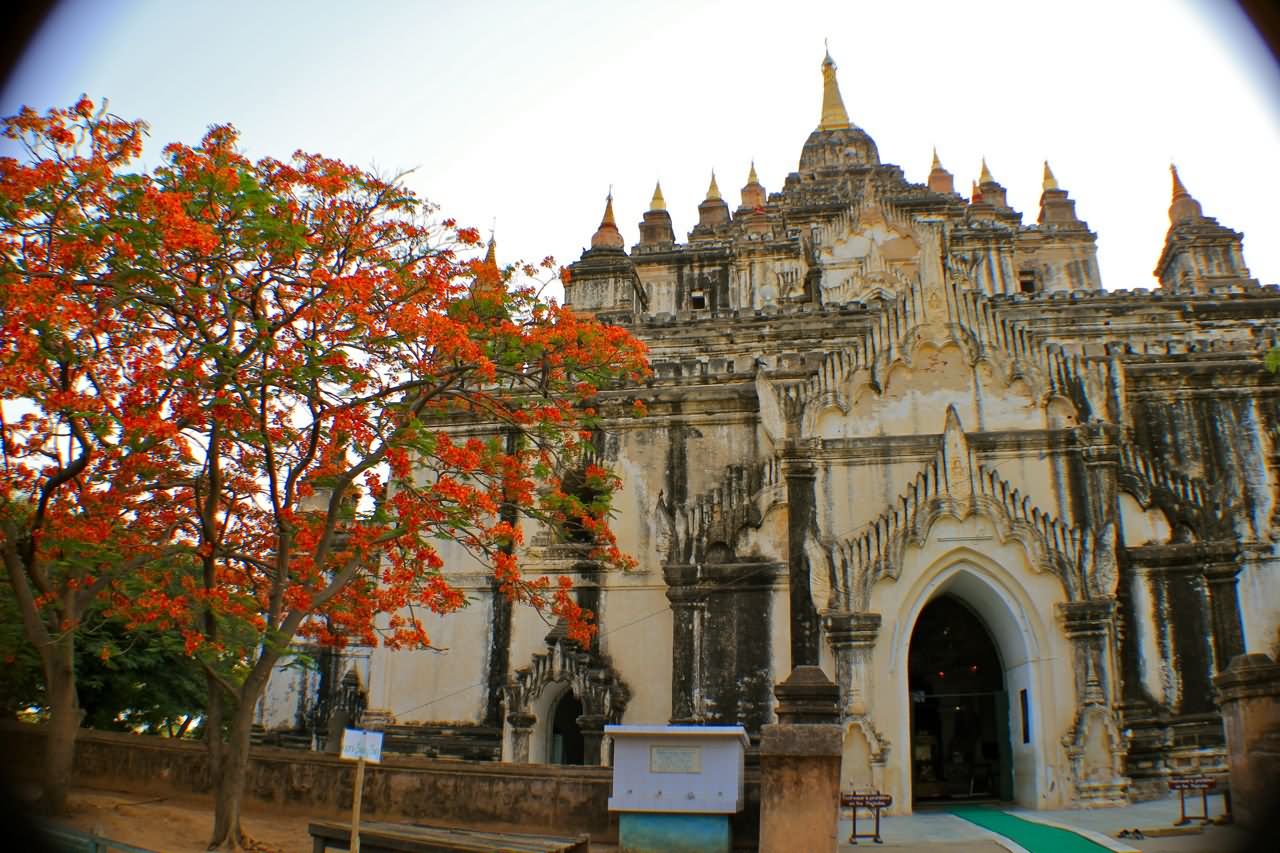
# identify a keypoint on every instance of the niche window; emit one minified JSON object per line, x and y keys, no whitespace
{"x":697,"y":299}
{"x":1027,"y":281}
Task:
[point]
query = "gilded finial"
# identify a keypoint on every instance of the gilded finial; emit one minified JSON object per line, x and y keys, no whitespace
{"x":658,"y":202}
{"x":608,"y":210}
{"x":985,"y":177}
{"x":834,"y":116}
{"x":751,"y":176}
{"x":1050,"y":182}
{"x":491,"y":255}
{"x":937,"y":164}
{"x":713,"y":191}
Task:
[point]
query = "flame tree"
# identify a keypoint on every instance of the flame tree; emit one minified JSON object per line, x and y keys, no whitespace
{"x":335,"y":393}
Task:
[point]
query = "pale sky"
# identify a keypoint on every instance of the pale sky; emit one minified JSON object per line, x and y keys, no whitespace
{"x":527,"y":112}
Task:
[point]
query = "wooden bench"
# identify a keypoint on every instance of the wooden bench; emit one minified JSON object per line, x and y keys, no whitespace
{"x":382,"y":837}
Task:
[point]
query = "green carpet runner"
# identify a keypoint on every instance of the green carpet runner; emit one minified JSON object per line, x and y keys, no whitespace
{"x":1035,"y":837}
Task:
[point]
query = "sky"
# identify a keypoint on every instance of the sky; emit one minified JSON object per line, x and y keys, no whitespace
{"x":524,"y":114}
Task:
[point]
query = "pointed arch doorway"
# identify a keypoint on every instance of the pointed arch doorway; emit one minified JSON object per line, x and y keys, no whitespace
{"x":566,"y":743}
{"x":961,"y":747}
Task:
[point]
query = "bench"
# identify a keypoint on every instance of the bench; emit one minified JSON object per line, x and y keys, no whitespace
{"x":383,"y":837}
{"x":64,"y":839}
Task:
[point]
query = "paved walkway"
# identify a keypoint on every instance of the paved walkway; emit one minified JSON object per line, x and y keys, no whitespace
{"x":939,"y":831}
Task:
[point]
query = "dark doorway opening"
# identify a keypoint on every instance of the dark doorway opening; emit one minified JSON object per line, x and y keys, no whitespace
{"x":960,"y":747}
{"x":566,"y":745}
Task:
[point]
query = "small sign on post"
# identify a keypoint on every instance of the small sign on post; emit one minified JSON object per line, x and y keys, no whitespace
{"x":1203,"y":784}
{"x":873,"y":801}
{"x":360,"y":746}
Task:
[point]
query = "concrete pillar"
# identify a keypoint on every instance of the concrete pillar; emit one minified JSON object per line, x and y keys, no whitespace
{"x":1249,"y":695}
{"x":1224,"y":612}
{"x":521,"y":729}
{"x":800,"y":766}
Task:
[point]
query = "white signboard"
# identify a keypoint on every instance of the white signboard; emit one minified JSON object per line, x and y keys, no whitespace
{"x":358,"y":743}
{"x":675,"y":759}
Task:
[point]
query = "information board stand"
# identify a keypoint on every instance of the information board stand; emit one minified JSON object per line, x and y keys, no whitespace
{"x":360,"y":746}
{"x":1203,"y":784}
{"x":873,"y":801}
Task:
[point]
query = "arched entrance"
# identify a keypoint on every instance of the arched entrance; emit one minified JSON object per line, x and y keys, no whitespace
{"x":566,"y":744}
{"x":960,"y":739}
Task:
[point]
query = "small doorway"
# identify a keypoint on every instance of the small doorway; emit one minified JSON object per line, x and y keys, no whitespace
{"x":960,"y":747}
{"x":566,"y":745}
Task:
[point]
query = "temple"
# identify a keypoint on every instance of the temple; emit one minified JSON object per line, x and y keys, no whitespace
{"x":899,"y":433}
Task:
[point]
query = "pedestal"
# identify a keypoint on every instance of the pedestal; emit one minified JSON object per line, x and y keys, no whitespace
{"x":1249,"y":695}
{"x":800,"y":767}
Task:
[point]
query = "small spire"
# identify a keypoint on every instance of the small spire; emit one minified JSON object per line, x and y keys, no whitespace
{"x":607,"y":235}
{"x":713,"y":191}
{"x":1050,"y":182}
{"x":658,"y":202}
{"x":985,"y":177}
{"x":751,"y":176}
{"x":1184,"y":207}
{"x":834,"y":116}
{"x":491,"y":256}
{"x":1178,"y":188}
{"x":937,"y":164}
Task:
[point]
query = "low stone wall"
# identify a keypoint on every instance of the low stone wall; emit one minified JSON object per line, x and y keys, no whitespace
{"x":529,"y":797}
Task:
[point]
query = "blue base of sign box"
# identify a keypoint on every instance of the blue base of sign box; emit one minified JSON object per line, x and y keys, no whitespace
{"x":653,"y":832}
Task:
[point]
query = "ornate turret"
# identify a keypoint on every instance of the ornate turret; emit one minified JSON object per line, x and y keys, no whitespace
{"x":837,"y":143}
{"x":1056,"y":209}
{"x":603,"y":282}
{"x":1199,"y":254}
{"x":607,"y":235}
{"x":656,"y":231}
{"x":993,"y":193}
{"x":753,"y":194}
{"x":713,"y":213}
{"x":940,"y":180}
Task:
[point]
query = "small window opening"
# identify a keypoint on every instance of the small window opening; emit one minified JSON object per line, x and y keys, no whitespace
{"x":1026,"y":715}
{"x":697,"y":300}
{"x":1027,"y":281}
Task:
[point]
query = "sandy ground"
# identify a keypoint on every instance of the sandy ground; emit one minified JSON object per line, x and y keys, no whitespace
{"x":180,"y":824}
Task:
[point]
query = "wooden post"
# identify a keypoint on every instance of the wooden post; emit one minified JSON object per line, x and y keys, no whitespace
{"x":355,"y":806}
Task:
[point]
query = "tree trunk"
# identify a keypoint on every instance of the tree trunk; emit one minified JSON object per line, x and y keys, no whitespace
{"x":213,"y":730}
{"x":227,"y":834}
{"x":64,"y":722}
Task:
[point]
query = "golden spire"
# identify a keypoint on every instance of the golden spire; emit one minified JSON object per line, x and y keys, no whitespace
{"x":834,"y":116}
{"x":658,"y":202}
{"x":937,"y":164}
{"x":491,"y":256}
{"x":985,"y":177}
{"x":751,"y":176}
{"x":713,"y":191}
{"x":1050,"y":182}
{"x":608,"y":211}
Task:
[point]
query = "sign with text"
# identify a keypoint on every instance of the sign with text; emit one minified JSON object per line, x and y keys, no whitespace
{"x":675,"y":759}
{"x":358,"y":744}
{"x":1192,"y":783}
{"x":873,"y":800}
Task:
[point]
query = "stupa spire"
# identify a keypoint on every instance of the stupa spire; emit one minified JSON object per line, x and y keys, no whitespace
{"x":713,"y":191}
{"x":1184,"y":207}
{"x":1050,"y":182}
{"x":657,"y":202}
{"x":985,"y":176}
{"x":607,"y":235}
{"x":834,"y":116}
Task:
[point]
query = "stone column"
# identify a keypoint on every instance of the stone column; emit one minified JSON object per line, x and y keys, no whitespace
{"x":688,"y":604}
{"x":800,"y":766}
{"x":801,"y":474}
{"x":521,"y":728}
{"x":852,"y":637}
{"x":1094,"y":746}
{"x":1224,"y":611}
{"x":1249,"y":695}
{"x":592,"y":727}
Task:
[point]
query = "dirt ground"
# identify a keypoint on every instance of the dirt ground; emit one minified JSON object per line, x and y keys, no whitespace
{"x":180,"y":824}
